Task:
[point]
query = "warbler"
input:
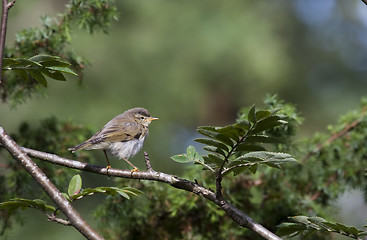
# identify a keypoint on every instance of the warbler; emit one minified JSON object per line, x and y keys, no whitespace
{"x":123,"y":136}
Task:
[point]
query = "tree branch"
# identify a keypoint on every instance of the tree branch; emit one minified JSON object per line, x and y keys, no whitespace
{"x":364,"y":1}
{"x":349,"y":127}
{"x":237,"y":215}
{"x":73,"y":216}
{"x":4,"y":19}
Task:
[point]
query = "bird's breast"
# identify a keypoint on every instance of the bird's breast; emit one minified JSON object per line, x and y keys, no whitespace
{"x":127,"y":149}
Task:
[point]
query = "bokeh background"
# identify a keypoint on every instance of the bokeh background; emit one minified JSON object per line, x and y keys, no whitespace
{"x":194,"y":63}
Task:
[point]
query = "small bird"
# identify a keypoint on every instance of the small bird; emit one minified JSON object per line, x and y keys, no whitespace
{"x":124,"y":135}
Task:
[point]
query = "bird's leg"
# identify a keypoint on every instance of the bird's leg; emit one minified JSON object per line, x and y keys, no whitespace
{"x":108,"y":162}
{"x":135,"y":168}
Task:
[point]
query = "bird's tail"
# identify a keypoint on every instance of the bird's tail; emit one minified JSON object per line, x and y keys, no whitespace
{"x":80,"y":146}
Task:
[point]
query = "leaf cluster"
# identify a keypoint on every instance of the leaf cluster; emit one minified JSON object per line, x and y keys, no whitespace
{"x":38,"y":68}
{"x":239,"y":146}
{"x":306,"y":226}
{"x":52,"y":38}
{"x":76,"y":192}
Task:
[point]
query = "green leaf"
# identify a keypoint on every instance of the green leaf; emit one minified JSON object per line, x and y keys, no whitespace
{"x":54,"y":75}
{"x":55,"y":63}
{"x":317,"y":224}
{"x":16,"y":203}
{"x":37,"y":75}
{"x":75,"y":185}
{"x":42,"y":58}
{"x":252,"y":114}
{"x":191,"y":151}
{"x":261,"y":139}
{"x":253,"y":168}
{"x":212,"y":142}
{"x":62,"y":69}
{"x":231,"y":132}
{"x":8,"y":61}
{"x":126,"y":192}
{"x":21,"y":62}
{"x":268,"y":156}
{"x":261,"y":114}
{"x":268,"y":123}
{"x":213,"y":159}
{"x":249,"y":147}
{"x":213,"y":133}
{"x":214,"y":150}
{"x":286,"y":229}
{"x":181,"y":158}
{"x":242,"y":125}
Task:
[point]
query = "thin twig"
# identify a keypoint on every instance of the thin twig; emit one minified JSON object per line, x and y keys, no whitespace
{"x":237,"y":215}
{"x":332,"y":138}
{"x":4,"y":19}
{"x":73,"y":216}
{"x":147,"y":162}
{"x":53,"y":218}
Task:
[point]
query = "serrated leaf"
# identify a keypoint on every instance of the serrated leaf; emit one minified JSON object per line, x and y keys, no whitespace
{"x":216,"y":135}
{"x":37,"y":75}
{"x":261,"y":114}
{"x":242,"y":125}
{"x":270,"y":157}
{"x":75,"y":185}
{"x":213,"y":159}
{"x":249,"y":147}
{"x":214,"y":150}
{"x":252,"y":114}
{"x":261,"y":139}
{"x":212,"y":143}
{"x":268,"y":123}
{"x":231,"y":132}
{"x":286,"y":229}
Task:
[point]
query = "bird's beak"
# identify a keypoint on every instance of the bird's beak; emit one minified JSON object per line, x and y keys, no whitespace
{"x":153,"y":118}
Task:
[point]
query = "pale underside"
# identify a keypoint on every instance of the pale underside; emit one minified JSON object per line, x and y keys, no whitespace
{"x":122,"y":150}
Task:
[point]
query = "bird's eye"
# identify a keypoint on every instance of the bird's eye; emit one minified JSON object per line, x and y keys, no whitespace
{"x":142,"y":118}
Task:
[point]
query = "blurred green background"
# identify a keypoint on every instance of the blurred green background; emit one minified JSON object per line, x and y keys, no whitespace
{"x":194,"y":63}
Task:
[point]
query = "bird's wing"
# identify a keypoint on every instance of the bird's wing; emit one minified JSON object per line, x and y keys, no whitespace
{"x":117,"y":133}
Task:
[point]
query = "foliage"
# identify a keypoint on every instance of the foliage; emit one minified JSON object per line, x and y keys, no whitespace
{"x":239,"y":147}
{"x":38,"y":67}
{"x":51,"y":136}
{"x":306,"y":226}
{"x":52,"y":39}
{"x":252,"y":148}
{"x":270,"y":196}
{"x":75,"y":190}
